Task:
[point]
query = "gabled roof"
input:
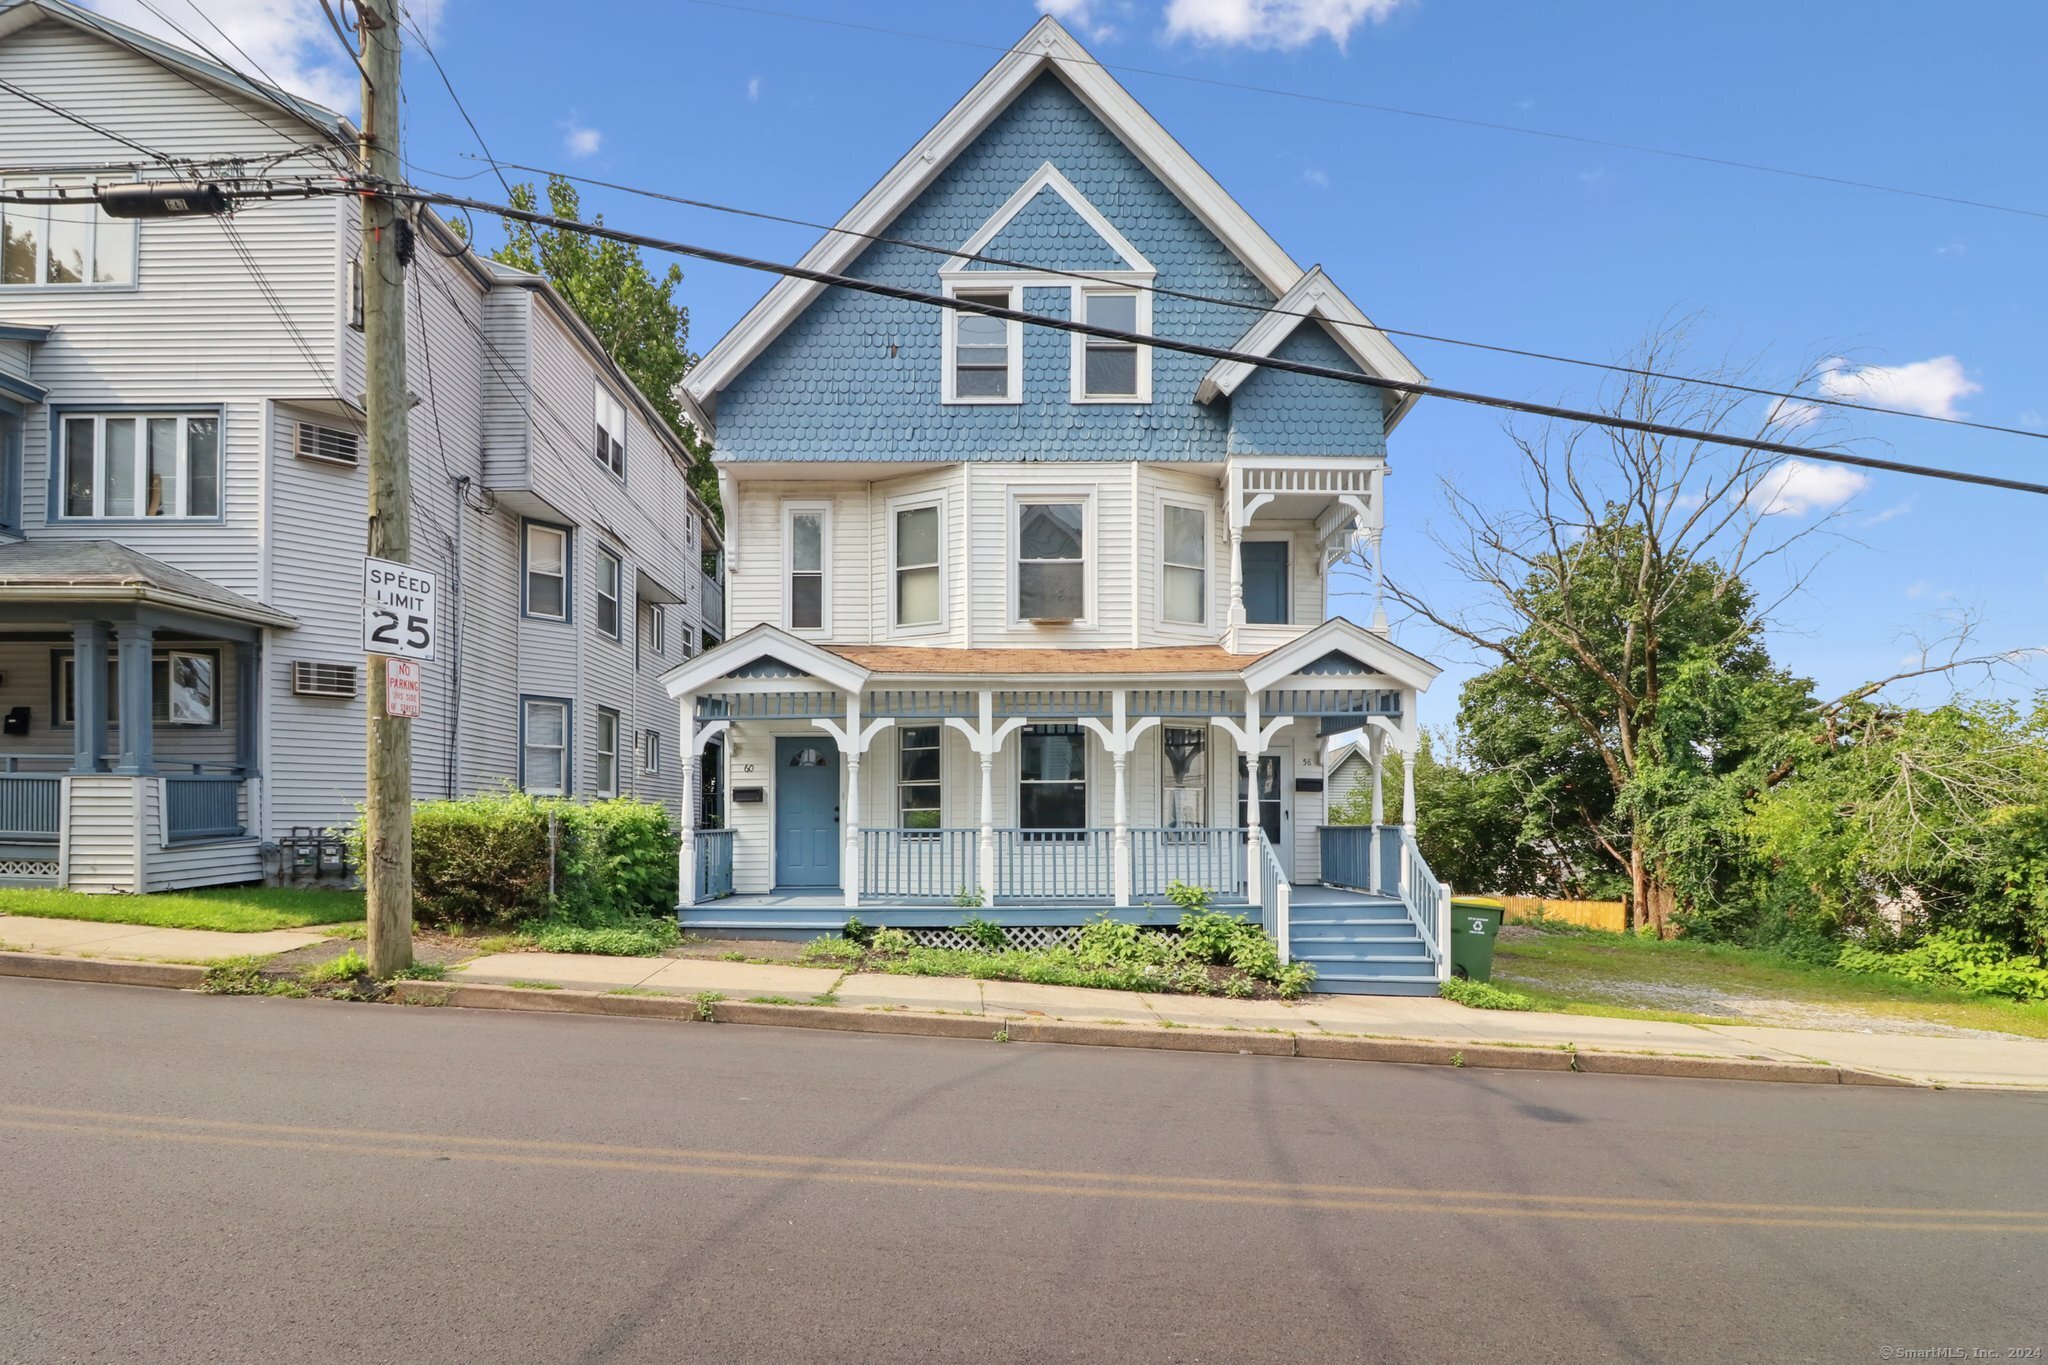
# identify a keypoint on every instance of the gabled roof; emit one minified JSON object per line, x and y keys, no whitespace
{"x":1347,"y":637}
{"x":1047,"y":47}
{"x":16,"y":15}
{"x":758,"y":643}
{"x":1315,"y":295}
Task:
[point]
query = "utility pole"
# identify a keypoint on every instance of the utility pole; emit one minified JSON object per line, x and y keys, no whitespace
{"x":387,"y":810}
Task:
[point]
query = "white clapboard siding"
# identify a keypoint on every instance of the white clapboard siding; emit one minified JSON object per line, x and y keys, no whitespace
{"x":102,"y":839}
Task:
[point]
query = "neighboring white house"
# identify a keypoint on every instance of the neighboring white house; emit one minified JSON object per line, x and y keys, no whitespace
{"x":182,"y":492}
{"x":1040,"y":622}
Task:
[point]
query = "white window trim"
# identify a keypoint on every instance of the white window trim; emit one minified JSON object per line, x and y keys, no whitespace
{"x":1208,"y":786}
{"x":1077,"y":350}
{"x":617,"y":596}
{"x":901,"y":782}
{"x":527,"y":531}
{"x":1208,"y":509}
{"x":526,"y":705}
{"x":657,"y":630}
{"x":1022,"y":497}
{"x":650,"y":752}
{"x":910,"y":503}
{"x":1013,"y":344}
{"x":600,"y":753}
{"x":790,"y":511}
{"x":180,"y":491}
{"x":603,"y":403}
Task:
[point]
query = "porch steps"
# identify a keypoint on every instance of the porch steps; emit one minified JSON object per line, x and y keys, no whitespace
{"x":1359,"y":944}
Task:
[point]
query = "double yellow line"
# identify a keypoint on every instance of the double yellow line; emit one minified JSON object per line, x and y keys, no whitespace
{"x":1034,"y":1182}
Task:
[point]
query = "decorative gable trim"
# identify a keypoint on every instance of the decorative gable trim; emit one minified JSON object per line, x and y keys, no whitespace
{"x":1337,"y":635}
{"x":1316,"y":296}
{"x":1048,"y":46}
{"x":1048,"y":177}
{"x":763,"y":644}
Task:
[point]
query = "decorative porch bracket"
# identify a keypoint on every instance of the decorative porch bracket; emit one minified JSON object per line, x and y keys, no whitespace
{"x":986,"y":740}
{"x":694,"y":738}
{"x":1252,"y":741}
{"x":853,"y":739}
{"x":1119,"y":737}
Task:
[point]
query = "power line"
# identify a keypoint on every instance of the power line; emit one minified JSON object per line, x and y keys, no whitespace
{"x":420,"y":33}
{"x":1416,"y":388}
{"x":1433,"y":116}
{"x":82,"y":121}
{"x":1162,"y":291}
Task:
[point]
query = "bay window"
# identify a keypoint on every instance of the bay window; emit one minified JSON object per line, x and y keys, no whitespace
{"x":1052,"y":564}
{"x":123,"y":465}
{"x":1184,"y":547}
{"x":920,"y":593}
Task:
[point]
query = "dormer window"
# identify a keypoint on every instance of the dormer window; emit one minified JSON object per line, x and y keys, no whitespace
{"x":984,"y":355}
{"x":1106,"y":370}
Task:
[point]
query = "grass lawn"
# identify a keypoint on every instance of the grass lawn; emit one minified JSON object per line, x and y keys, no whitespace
{"x":1712,"y":983}
{"x":236,"y":909}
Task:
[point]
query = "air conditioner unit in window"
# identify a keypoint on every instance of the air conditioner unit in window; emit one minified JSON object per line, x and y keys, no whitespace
{"x":1051,"y":620}
{"x":310,"y":679}
{"x":329,"y":445}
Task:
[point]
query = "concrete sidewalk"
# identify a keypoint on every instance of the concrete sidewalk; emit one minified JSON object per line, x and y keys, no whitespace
{"x":144,"y":943}
{"x":1989,"y":1060}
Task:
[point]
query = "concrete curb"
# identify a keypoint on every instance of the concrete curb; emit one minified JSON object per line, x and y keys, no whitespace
{"x":1333,"y":1047}
{"x":102,"y":970}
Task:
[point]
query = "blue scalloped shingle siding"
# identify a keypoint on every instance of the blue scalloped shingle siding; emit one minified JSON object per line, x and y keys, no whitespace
{"x":1277,"y":413}
{"x":828,"y":388}
{"x":1049,"y":234}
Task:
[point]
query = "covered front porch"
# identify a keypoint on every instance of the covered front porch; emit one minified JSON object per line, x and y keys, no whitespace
{"x":130,"y":710}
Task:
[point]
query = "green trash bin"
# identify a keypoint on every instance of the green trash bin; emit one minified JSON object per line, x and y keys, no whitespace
{"x":1475,"y":924}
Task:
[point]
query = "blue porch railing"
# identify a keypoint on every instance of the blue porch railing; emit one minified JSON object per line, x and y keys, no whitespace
{"x":1033,"y":864}
{"x":919,"y":864}
{"x":1347,"y":856}
{"x":1198,"y":856}
{"x":30,"y":807}
{"x":203,"y":806}
{"x":714,"y":863}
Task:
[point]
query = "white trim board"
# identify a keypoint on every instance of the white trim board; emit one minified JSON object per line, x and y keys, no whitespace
{"x":1315,"y":295}
{"x":1047,"y":177}
{"x":1047,"y":47}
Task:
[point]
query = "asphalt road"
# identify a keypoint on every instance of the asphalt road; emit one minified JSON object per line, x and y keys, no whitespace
{"x":185,"y":1178}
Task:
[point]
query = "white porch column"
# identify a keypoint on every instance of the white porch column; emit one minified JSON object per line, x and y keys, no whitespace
{"x":1379,"y":583}
{"x":1118,"y":738}
{"x":1252,"y":740}
{"x":1233,"y":506}
{"x":986,"y":740}
{"x":686,"y":856}
{"x":1408,"y":756}
{"x":1376,"y":743}
{"x":853,"y":741}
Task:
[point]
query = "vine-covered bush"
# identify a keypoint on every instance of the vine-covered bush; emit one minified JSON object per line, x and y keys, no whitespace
{"x":488,"y":862}
{"x":1959,"y":960}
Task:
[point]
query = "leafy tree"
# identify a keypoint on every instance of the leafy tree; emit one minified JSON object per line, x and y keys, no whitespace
{"x":634,"y":313}
{"x":1470,"y":826}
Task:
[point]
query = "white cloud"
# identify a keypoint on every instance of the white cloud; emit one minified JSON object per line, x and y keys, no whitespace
{"x":753,"y":89}
{"x":1085,"y":15}
{"x":1316,"y":177}
{"x":578,"y":140}
{"x":1953,"y":249}
{"x":1270,"y":23}
{"x":1797,"y":487}
{"x":1897,"y":509}
{"x":1930,"y":387}
{"x":288,"y":39}
{"x":2031,"y":418}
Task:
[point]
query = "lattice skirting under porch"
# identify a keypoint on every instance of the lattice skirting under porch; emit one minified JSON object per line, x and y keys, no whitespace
{"x":28,"y":869}
{"x":1017,"y":936}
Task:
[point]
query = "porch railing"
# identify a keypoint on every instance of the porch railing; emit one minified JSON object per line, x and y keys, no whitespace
{"x":1428,"y":900}
{"x":1194,"y":854}
{"x":30,"y":807}
{"x":1347,"y":856}
{"x":714,"y":863}
{"x":1046,"y":863}
{"x":203,"y":806}
{"x":921,"y":864}
{"x":1274,"y":894}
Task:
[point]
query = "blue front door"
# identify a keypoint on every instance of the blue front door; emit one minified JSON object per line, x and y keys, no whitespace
{"x":1265,"y":582}
{"x":806,"y":812}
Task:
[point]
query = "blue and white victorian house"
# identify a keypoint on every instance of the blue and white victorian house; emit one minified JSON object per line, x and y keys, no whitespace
{"x":1035,"y":621}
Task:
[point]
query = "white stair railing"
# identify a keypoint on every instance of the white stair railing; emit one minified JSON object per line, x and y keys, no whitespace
{"x":1428,"y":901}
{"x":1276,"y":893}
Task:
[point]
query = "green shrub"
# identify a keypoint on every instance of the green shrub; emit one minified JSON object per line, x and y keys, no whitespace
{"x":642,"y":936}
{"x":483,"y":862}
{"x":986,"y":932}
{"x":891,"y":943}
{"x":1957,"y":959}
{"x":1481,"y":995}
{"x":1188,"y":897}
{"x":1212,"y":935}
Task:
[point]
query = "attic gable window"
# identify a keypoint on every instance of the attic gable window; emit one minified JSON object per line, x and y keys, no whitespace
{"x":1105,"y":370}
{"x":983,"y":355}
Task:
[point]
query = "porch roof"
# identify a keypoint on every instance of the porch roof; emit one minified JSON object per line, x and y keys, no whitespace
{"x":1153,"y":662}
{"x":89,"y":572}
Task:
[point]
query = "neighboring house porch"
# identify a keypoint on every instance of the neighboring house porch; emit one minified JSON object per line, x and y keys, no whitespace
{"x":1040,"y":788}
{"x":89,"y":797}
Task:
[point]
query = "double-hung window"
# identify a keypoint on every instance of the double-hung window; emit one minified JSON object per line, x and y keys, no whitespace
{"x":544,"y":746}
{"x":650,"y":752}
{"x":1108,"y":370}
{"x":607,"y":751}
{"x":1184,"y":551}
{"x":611,"y":431}
{"x":1052,"y":778}
{"x":547,"y":571}
{"x":610,"y":572}
{"x":1052,"y":560}
{"x":917,"y":776}
{"x":807,"y":536}
{"x":920,"y":593}
{"x":118,"y":465}
{"x":984,"y":362}
{"x":1183,"y":776}
{"x":76,"y":243}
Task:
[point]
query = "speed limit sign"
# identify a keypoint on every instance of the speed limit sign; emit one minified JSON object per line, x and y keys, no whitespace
{"x":398,"y":610}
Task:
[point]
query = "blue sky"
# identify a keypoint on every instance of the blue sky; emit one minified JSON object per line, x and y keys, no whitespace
{"x":1462,"y":231}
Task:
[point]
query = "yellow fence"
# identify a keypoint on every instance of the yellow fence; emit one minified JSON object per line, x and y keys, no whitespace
{"x":1609,"y":915}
